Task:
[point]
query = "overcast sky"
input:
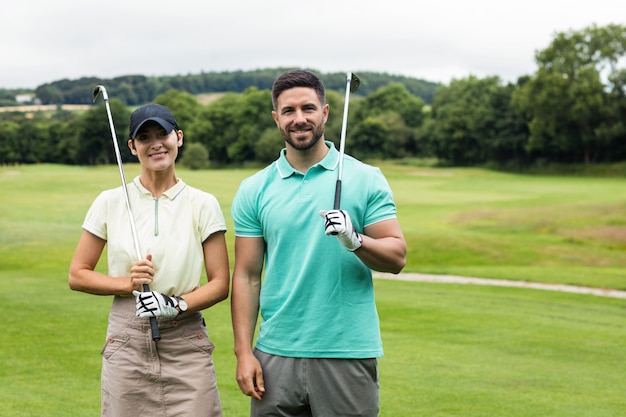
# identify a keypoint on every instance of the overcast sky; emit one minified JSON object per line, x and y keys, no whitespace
{"x":43,"y":41}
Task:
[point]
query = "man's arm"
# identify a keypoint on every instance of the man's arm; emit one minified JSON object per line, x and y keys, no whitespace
{"x":383,"y":247}
{"x":246,"y":287}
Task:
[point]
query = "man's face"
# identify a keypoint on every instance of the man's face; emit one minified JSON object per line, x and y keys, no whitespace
{"x":300,"y":117}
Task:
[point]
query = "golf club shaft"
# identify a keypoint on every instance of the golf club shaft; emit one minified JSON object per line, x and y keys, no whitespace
{"x":156,"y":335}
{"x":342,"y":142}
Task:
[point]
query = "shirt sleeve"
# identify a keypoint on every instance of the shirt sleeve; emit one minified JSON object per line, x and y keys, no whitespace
{"x":245,"y":213}
{"x":95,"y":219}
{"x":211,"y":217}
{"x":380,"y":205}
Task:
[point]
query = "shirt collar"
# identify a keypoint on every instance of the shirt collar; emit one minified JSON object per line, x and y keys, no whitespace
{"x":329,"y":162}
{"x":172,"y":193}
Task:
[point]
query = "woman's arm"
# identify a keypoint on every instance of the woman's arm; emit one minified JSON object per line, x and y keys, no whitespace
{"x":218,"y":275}
{"x":83,"y":277}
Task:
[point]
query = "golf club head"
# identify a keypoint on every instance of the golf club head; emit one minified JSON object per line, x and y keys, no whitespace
{"x":97,"y":90}
{"x":355,"y":82}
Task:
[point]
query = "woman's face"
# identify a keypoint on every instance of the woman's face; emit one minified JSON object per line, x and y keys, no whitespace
{"x":155,"y":148}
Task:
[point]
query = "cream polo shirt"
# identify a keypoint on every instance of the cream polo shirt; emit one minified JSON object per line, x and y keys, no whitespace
{"x":171,"y":228}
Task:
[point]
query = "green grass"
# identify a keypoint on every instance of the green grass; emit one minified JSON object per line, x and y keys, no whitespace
{"x":450,"y":350}
{"x":454,"y":350}
{"x":478,"y":223}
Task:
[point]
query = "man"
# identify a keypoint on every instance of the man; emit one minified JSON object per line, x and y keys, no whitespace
{"x":319,"y":339}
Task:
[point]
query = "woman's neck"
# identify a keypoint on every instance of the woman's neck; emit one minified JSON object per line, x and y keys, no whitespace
{"x":157,"y":182}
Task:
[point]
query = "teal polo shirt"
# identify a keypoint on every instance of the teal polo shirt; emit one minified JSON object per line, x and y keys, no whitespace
{"x":317,"y":298}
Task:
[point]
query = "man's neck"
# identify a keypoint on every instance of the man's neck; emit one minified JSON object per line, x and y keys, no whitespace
{"x":303,"y":160}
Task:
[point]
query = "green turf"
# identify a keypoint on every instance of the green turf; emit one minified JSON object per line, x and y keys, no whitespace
{"x":450,"y":350}
{"x":457,"y":221}
{"x":478,"y":223}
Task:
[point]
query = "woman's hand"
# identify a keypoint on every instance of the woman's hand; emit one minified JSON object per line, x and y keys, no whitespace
{"x":142,"y":272}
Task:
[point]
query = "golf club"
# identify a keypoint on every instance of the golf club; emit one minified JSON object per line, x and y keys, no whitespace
{"x":97,"y":91}
{"x":352,"y":84}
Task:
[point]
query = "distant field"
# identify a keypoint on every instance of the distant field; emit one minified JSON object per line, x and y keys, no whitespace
{"x":203,"y":99}
{"x":209,"y":98}
{"x":44,"y":107}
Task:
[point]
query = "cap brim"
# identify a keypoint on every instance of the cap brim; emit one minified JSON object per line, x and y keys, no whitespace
{"x":164,"y":124}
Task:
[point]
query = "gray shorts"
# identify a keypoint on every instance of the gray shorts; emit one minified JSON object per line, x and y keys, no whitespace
{"x":172,"y":377}
{"x":297,"y":387}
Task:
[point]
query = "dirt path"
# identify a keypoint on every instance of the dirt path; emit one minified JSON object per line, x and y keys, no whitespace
{"x":448,"y":279}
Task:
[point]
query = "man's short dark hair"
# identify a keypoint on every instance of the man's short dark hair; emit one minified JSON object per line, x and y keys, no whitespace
{"x":298,"y":78}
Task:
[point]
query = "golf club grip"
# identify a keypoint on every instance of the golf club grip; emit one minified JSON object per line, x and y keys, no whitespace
{"x":156,"y":334}
{"x":337,"y":202}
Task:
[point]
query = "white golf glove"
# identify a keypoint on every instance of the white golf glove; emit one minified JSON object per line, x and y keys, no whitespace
{"x":154,"y":304}
{"x":337,"y":222}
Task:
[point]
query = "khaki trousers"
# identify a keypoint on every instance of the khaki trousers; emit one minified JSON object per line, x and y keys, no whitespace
{"x":172,"y":377}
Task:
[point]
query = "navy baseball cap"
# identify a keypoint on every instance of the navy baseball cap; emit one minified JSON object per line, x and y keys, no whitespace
{"x":152,"y":112}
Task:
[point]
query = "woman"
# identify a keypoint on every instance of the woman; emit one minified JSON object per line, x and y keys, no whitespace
{"x":180,"y":229}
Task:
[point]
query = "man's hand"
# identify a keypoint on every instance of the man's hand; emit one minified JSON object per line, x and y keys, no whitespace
{"x":337,"y":222}
{"x":154,"y":304}
{"x":250,"y":376}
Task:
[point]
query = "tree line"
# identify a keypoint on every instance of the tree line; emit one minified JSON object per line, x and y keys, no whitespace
{"x":571,"y":110}
{"x":138,"y":89}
